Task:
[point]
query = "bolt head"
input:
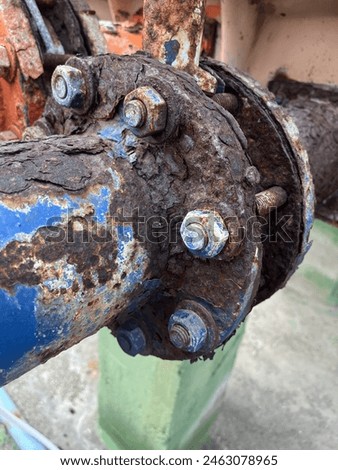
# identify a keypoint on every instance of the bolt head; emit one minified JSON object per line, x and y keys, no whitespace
{"x":187,"y":331}
{"x":204,"y":233}
{"x":134,"y":113}
{"x":68,"y":86}
{"x":155,"y":117}
{"x":131,"y":339}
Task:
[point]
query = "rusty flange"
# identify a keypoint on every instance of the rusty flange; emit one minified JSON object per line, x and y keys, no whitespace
{"x":275,"y":149}
{"x":201,"y":161}
{"x":314,"y":108}
{"x":198,"y":162}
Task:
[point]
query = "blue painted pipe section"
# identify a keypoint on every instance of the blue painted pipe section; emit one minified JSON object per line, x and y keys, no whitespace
{"x":48,"y":300}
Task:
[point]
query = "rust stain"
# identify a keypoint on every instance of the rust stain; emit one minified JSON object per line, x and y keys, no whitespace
{"x":22,"y":101}
{"x":173,"y":34}
{"x":22,"y":38}
{"x":276,"y":151}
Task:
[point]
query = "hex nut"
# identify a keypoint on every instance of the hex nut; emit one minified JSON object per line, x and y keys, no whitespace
{"x":69,"y":87}
{"x":131,"y":339}
{"x":156,"y":111}
{"x":210,"y":230}
{"x":187,"y":330}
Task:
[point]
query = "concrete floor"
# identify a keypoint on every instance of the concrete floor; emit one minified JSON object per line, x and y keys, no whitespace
{"x":283,"y":390}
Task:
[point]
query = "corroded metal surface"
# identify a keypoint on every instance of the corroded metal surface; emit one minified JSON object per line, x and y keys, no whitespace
{"x":95,"y":213}
{"x":22,"y":39}
{"x":90,"y":27}
{"x":173,"y":34}
{"x":275,"y":149}
{"x":314,"y":108}
{"x":146,"y":185}
{"x":64,"y":30}
{"x":68,"y":265}
{"x":21,"y":99}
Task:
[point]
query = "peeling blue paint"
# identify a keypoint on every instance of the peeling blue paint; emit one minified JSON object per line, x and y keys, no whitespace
{"x":52,"y":324}
{"x":17,"y":224}
{"x":67,"y":280}
{"x":171,"y":51}
{"x":124,"y":151}
{"x":134,"y":278}
{"x":39,"y":320}
{"x":101,"y":204}
{"x":123,"y":142}
{"x":17,"y":324}
{"x":124,"y":236}
{"x":113,"y":132}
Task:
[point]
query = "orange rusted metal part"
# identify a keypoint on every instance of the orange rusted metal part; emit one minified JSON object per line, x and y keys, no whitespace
{"x":122,"y":9}
{"x":124,"y":37}
{"x":21,"y":100}
{"x":173,"y":34}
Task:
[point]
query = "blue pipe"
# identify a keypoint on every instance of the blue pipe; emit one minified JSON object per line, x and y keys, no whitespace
{"x":67,"y":267}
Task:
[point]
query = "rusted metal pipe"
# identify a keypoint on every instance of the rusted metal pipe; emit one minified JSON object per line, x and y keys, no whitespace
{"x":173,"y":34}
{"x":50,"y":61}
{"x":92,"y":221}
{"x":68,"y":263}
{"x":314,"y":109}
{"x":52,"y":46}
